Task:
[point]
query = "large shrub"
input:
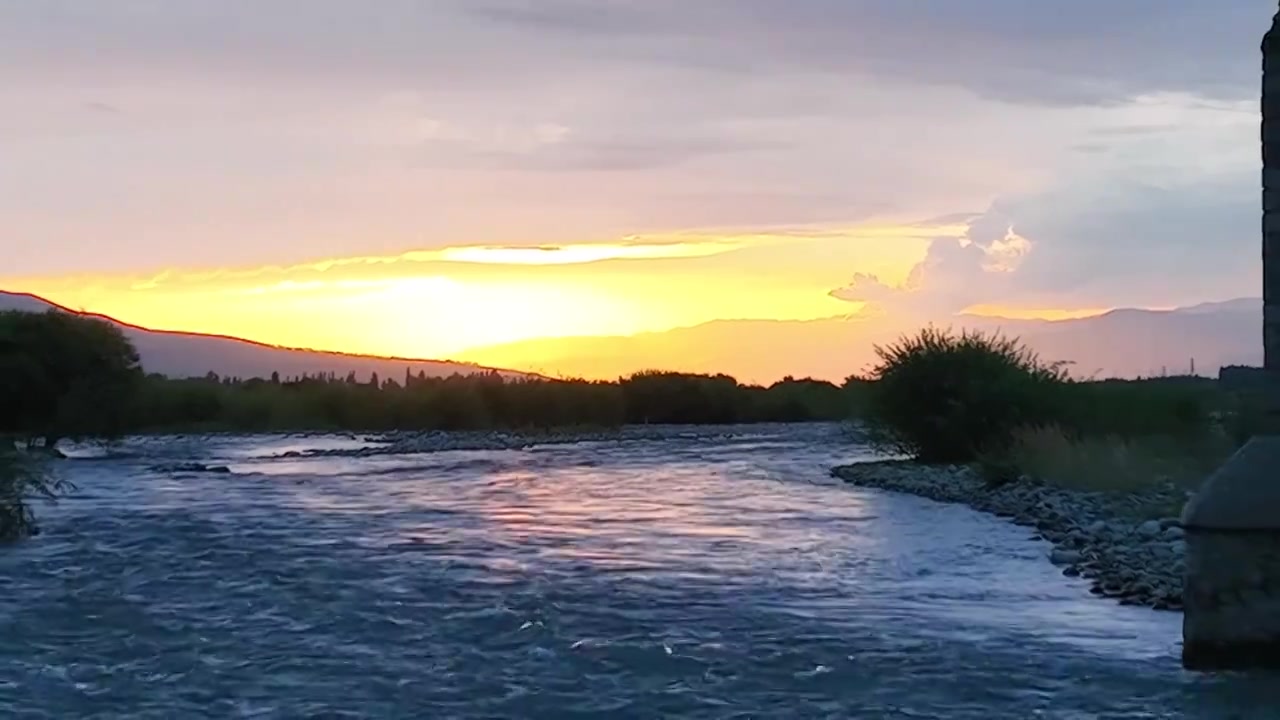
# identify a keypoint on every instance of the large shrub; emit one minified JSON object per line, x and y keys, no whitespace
{"x":64,"y":376}
{"x":940,"y":396}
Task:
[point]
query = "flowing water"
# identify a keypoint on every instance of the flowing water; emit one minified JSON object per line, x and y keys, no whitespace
{"x":712,"y":574}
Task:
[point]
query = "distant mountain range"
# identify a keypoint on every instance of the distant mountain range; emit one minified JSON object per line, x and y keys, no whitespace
{"x":1120,"y":343}
{"x":1144,"y":343}
{"x":181,"y":354}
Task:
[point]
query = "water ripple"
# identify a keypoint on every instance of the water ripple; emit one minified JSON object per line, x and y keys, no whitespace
{"x":703,"y":576}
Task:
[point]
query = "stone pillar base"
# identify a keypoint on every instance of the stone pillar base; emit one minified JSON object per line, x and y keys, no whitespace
{"x":1203,"y":657}
{"x":1231,"y":600}
{"x":1231,"y":594}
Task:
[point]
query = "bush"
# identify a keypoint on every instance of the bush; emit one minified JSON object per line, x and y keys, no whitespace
{"x":944,"y":397}
{"x":22,"y":478}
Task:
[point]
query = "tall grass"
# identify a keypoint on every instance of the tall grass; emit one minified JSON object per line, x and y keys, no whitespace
{"x":1108,"y":463}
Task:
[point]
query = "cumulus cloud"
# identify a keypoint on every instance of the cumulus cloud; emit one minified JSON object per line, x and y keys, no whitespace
{"x":1084,"y":245}
{"x":956,"y":272}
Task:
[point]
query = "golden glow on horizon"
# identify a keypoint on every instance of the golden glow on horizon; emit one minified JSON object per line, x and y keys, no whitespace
{"x":453,"y":301}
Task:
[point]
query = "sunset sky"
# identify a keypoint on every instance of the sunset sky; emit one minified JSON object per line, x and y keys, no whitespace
{"x":429,"y":178}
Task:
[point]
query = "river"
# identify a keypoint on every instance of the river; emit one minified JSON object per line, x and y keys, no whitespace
{"x":714,"y":573}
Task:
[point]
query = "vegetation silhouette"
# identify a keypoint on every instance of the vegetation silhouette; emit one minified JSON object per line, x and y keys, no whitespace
{"x":64,"y":376}
{"x":474,"y":402}
{"x":944,"y":397}
{"x":958,"y":398}
{"x":61,"y":376}
{"x":71,"y":376}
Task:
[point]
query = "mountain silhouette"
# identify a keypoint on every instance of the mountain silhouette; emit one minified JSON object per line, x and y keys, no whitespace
{"x":184,"y":354}
{"x":1121,"y":343}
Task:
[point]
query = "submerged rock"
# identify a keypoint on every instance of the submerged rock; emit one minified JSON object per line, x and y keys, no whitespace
{"x":191,"y":467}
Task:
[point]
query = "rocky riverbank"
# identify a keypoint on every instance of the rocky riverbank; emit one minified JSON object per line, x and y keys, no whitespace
{"x":411,"y":442}
{"x":1128,"y":544}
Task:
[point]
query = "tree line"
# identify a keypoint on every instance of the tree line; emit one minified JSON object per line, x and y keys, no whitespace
{"x":475,"y":402}
{"x":67,"y":376}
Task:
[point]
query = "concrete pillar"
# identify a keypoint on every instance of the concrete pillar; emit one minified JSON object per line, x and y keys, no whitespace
{"x":1231,"y":594}
{"x":1271,"y":205}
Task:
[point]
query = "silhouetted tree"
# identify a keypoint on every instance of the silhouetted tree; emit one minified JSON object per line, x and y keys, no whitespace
{"x":64,"y":375}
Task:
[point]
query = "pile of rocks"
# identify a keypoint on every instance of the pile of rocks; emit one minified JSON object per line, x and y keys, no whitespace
{"x":1119,"y":541}
{"x":412,"y":442}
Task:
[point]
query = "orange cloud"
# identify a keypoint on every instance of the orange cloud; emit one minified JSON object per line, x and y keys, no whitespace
{"x":1015,"y":313}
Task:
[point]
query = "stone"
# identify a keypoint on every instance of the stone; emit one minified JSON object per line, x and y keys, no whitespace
{"x":1174,"y":533}
{"x":1149,"y":529}
{"x":1064,"y":557}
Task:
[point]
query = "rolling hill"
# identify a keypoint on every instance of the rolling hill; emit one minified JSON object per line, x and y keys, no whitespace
{"x":181,"y":354}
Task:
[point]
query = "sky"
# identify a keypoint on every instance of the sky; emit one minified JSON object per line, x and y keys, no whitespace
{"x":448,"y":178}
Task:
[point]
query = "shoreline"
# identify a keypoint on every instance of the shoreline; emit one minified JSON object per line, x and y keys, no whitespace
{"x":1128,"y":545}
